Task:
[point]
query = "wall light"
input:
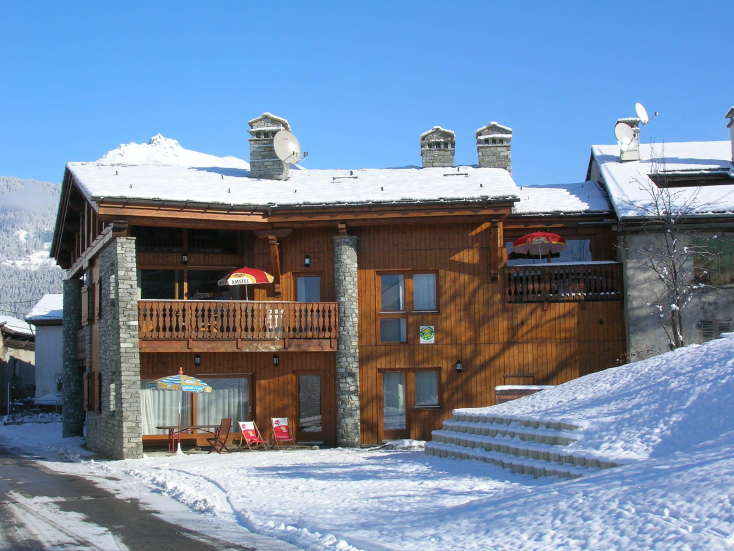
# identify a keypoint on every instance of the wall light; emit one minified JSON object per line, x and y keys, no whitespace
{"x":276,"y":360}
{"x":184,"y":258}
{"x":307,"y":261}
{"x":197,"y":361}
{"x":459,"y":367}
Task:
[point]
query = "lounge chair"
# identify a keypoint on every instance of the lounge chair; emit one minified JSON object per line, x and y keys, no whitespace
{"x":251,"y":436}
{"x":281,"y":432}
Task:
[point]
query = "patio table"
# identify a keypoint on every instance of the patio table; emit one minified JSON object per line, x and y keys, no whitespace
{"x":175,"y":432}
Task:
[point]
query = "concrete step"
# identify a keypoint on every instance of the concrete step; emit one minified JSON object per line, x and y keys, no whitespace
{"x":521,"y":465}
{"x":522,"y":432}
{"x":546,"y":424}
{"x":532,"y":450}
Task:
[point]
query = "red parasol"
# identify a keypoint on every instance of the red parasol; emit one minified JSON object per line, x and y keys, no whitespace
{"x":540,"y":244}
{"x":246,"y":276}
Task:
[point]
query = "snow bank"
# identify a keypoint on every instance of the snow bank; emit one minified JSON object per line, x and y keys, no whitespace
{"x":665,"y":404}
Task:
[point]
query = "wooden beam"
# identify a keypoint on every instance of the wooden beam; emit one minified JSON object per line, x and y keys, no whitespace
{"x":83,"y":261}
{"x":275,"y":259}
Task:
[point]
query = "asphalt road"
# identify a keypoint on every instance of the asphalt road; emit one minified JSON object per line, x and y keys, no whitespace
{"x":44,"y":510}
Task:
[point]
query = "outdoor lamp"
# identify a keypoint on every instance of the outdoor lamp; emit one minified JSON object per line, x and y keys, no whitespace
{"x":197,"y":361}
{"x":184,"y":258}
{"x":307,"y":261}
{"x":459,"y":367}
{"x":276,"y":360}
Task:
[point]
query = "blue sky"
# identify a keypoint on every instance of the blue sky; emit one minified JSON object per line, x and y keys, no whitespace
{"x":358,"y":81}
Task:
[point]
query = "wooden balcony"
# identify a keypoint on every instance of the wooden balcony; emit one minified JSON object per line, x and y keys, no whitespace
{"x":236,"y":326}
{"x":564,"y":282}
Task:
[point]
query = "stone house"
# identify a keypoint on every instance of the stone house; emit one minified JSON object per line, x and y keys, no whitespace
{"x":697,"y":180}
{"x":393,"y":300}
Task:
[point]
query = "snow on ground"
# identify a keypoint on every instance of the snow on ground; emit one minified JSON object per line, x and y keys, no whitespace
{"x":671,"y":417}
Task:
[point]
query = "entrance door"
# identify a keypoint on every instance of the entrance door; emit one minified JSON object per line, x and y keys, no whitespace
{"x":410,"y":403}
{"x":310,"y":418}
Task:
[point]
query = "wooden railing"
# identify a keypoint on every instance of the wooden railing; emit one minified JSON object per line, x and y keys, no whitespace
{"x":564,"y":282}
{"x":231,"y":320}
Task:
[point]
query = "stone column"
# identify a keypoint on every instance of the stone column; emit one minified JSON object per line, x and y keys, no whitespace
{"x":116,"y":430}
{"x":347,"y":349}
{"x":73,"y":400}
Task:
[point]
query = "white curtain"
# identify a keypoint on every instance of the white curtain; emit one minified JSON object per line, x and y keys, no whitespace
{"x":230,"y":399}
{"x":394,"y":400}
{"x":160,"y":407}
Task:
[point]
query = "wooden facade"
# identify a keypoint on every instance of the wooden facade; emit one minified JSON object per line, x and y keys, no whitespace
{"x":503,"y":325}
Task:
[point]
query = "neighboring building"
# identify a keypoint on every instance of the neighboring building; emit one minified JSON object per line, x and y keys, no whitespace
{"x":700,"y":178}
{"x":47,"y":316}
{"x":17,"y":372}
{"x":392,"y":304}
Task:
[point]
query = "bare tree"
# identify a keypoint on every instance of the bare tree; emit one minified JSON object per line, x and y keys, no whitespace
{"x":669,"y":250}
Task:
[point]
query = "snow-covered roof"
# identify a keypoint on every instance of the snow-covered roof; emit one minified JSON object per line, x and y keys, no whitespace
{"x":49,"y":308}
{"x":437,"y":129}
{"x":585,"y":197}
{"x":15,"y":325}
{"x":627,"y":182}
{"x":493,"y":124}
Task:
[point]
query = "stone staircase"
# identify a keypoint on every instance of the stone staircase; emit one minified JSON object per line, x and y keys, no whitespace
{"x":522,"y":445}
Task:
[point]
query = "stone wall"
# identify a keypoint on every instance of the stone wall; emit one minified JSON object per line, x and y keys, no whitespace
{"x":73,"y":401}
{"x":347,"y":352}
{"x":437,"y":147}
{"x":495,"y":156}
{"x":116,"y":430}
{"x":645,"y":334}
{"x":264,"y":163}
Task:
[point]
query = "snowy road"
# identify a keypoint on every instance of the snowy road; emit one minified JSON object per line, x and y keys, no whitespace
{"x":42,"y":509}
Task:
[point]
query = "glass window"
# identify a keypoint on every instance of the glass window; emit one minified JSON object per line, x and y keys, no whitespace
{"x":424,"y":291}
{"x":213,"y":241}
{"x":713,"y":260}
{"x":159,"y":284}
{"x":393,"y":292}
{"x":230,"y":398}
{"x":158,"y":239}
{"x":308,"y":288}
{"x":392,"y":330}
{"x":161,"y":407}
{"x":577,"y":250}
{"x":426,"y":388}
{"x":203,"y":285}
{"x":309,"y":403}
{"x":393,"y":398}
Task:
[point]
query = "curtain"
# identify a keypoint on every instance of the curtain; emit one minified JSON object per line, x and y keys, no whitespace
{"x":394,"y":400}
{"x":160,"y":407}
{"x":230,"y":399}
{"x":424,"y":291}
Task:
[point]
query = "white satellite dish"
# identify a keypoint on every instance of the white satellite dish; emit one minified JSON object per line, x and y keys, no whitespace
{"x":642,"y":113}
{"x":286,"y":147}
{"x":624,"y":133}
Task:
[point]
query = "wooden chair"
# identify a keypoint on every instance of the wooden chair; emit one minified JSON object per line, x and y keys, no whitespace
{"x":218,"y":442}
{"x":251,"y":436}
{"x":281,"y":432}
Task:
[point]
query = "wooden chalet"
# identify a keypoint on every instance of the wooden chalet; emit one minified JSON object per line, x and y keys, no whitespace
{"x":394,"y":299}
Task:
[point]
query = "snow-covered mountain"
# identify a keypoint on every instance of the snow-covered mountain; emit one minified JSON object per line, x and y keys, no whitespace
{"x":27,"y":215}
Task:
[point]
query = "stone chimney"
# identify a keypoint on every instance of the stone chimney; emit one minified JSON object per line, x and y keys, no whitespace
{"x":437,"y":147}
{"x":264,"y":163}
{"x":630,"y":151}
{"x":494,"y":142}
{"x":730,"y":126}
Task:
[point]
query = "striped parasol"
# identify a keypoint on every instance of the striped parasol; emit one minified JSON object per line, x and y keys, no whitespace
{"x":246,"y":276}
{"x":540,"y":244}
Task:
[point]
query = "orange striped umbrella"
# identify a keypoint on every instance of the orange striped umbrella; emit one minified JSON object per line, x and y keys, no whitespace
{"x":246,"y":276}
{"x":539,"y":243}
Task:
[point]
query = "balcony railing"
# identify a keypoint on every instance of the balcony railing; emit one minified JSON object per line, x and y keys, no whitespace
{"x":564,"y":282}
{"x":212,"y":320}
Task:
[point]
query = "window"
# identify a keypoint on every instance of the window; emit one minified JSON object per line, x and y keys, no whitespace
{"x":309,"y":403}
{"x":202,"y":285}
{"x":426,"y":388}
{"x":213,"y":241}
{"x":712,"y":329}
{"x":159,"y":284}
{"x":158,"y":240}
{"x":577,"y":250}
{"x":392,"y":330}
{"x":713,"y":260}
{"x":308,"y":288}
{"x":404,"y":294}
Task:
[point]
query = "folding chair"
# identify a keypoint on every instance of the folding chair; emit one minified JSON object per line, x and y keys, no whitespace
{"x":281,"y":431}
{"x":251,"y":435}
{"x":218,"y":442}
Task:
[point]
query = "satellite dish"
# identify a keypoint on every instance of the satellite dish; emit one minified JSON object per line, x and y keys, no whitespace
{"x":286,"y":147}
{"x":642,"y":113}
{"x":624,"y":133}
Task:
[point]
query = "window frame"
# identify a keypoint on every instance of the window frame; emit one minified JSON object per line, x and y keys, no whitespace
{"x":408,"y":300}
